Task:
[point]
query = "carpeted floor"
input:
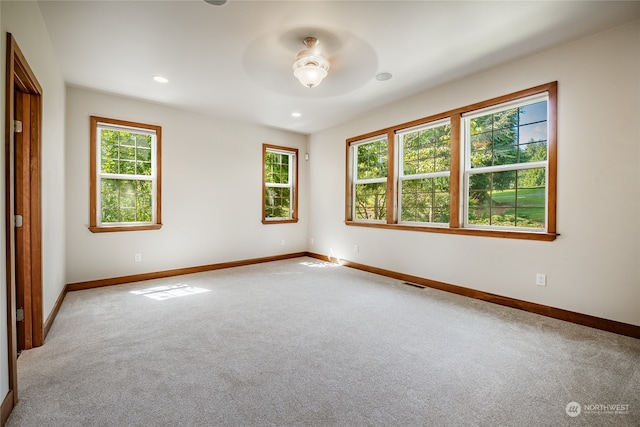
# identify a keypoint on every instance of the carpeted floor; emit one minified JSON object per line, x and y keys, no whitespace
{"x":303,"y":342}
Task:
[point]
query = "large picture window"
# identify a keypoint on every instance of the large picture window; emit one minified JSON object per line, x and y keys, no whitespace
{"x":486,"y":169}
{"x":125,"y":175}
{"x":279,"y":195}
{"x":506,"y":165}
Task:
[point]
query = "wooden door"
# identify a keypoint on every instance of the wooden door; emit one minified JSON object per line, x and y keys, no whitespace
{"x":23,"y":124}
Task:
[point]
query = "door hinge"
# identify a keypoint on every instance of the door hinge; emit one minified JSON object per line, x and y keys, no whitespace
{"x":18,"y":221}
{"x":19,"y":315}
{"x":17,"y":126}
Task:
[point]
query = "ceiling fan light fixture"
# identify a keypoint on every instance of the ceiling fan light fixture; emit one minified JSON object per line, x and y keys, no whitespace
{"x":310,"y":68}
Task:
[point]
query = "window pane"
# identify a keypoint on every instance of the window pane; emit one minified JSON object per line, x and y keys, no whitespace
{"x":372,"y":159}
{"x":109,"y":153}
{"x":277,"y":168}
{"x":277,"y":202}
{"x":143,"y":154}
{"x":110,"y":166}
{"x":143,"y":141}
{"x":371,"y":201}
{"x":125,"y":200}
{"x":426,"y":150}
{"x":505,"y":119}
{"x":534,"y":151}
{"x":125,"y":153}
{"x":127,"y":138}
{"x":515,"y":135}
{"x":505,"y":155}
{"x":143,"y":168}
{"x":143,"y":201}
{"x":533,"y":133}
{"x":511,"y":199}
{"x":481,"y":152}
{"x":425,"y":200}
{"x":533,"y":113}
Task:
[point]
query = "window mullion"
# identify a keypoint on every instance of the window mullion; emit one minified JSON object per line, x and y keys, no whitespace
{"x":126,"y":177}
{"x":392,"y":215}
{"x":369,"y":181}
{"x":508,"y":167}
{"x":278,"y":185}
{"x":424,"y":175}
{"x":455,"y":172}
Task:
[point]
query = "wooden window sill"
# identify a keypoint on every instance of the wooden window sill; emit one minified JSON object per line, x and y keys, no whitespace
{"x":279,"y":221}
{"x":94,"y":229}
{"x":523,"y":235}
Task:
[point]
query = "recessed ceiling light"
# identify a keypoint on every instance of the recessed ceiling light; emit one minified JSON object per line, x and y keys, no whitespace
{"x":296,"y":114}
{"x":381,"y":77}
{"x":161,"y":79}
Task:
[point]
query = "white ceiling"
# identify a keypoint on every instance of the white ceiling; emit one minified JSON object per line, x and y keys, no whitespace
{"x":234,"y":61}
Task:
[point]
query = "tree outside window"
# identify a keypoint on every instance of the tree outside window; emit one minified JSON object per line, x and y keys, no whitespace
{"x":125,"y":172}
{"x":279,"y":202}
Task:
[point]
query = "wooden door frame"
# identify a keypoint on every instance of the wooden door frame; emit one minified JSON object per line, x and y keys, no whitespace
{"x":20,"y":77}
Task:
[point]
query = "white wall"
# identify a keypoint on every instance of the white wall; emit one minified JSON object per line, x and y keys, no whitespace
{"x":211,"y":193}
{"x":24,"y":21}
{"x":594,"y":266}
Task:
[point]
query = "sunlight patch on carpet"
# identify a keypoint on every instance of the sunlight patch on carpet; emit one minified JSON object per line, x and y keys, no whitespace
{"x":318,"y":264}
{"x":161,"y":293}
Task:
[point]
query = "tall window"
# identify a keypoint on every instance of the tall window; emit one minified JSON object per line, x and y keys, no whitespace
{"x":279,"y":195}
{"x":125,"y":175}
{"x":487,"y":169}
{"x":506,"y":165}
{"x":424,"y":175}
{"x":370,"y":179}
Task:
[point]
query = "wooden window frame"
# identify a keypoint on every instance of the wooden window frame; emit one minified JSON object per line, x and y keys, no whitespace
{"x":94,"y":223}
{"x":402,"y":177}
{"x":357,"y":181}
{"x":456,"y":225}
{"x":294,"y":185}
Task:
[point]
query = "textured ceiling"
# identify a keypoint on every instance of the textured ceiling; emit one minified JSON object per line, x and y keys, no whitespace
{"x":234,"y":61}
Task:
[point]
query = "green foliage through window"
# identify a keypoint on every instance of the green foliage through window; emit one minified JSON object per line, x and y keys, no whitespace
{"x":125,"y":175}
{"x":371,"y":183}
{"x":488,"y":166}
{"x":279,"y":178}
{"x":125,"y":153}
{"x":503,"y":138}
{"x":125,"y":200}
{"x":426,"y":158}
{"x":519,"y":204}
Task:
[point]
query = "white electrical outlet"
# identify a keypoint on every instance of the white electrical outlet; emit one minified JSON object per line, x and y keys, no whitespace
{"x":541,"y":279}
{"x":137,"y":257}
{"x":356,"y":248}
{"x":283,"y":242}
{"x":312,"y":241}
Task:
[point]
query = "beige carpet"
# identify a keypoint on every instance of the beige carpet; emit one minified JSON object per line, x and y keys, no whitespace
{"x":302,"y":342}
